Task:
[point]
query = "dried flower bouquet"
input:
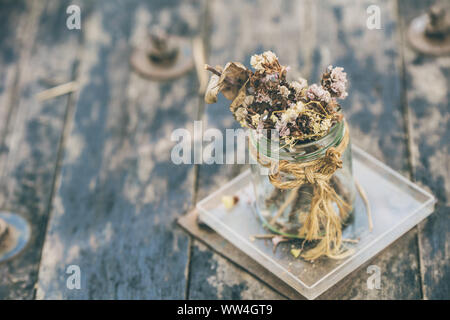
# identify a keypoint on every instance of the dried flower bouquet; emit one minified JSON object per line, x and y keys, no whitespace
{"x":308,"y":199}
{"x":265,"y":99}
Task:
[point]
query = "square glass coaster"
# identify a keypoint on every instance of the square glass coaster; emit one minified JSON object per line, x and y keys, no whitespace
{"x":397,"y":205}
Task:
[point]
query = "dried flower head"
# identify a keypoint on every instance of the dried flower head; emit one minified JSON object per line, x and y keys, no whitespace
{"x":255,"y":120}
{"x":284,"y":91}
{"x":316,"y":92}
{"x":335,"y":81}
{"x":240,"y":114}
{"x":260,"y":62}
{"x":299,"y":85}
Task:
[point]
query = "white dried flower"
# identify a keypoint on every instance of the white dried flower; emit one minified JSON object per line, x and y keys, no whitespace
{"x":299,"y":85}
{"x":255,"y":119}
{"x":240,"y":114}
{"x":316,"y":127}
{"x":303,"y":82}
{"x":291,"y":113}
{"x":270,"y":57}
{"x":325,"y":124}
{"x":274,"y":118}
{"x":296,"y":86}
{"x":284,"y":91}
{"x":257,"y":60}
{"x":299,"y":107}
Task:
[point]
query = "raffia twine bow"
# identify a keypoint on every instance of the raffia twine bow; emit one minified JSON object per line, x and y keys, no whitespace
{"x":322,"y":223}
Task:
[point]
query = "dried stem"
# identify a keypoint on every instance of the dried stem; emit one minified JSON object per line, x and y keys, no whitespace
{"x":213,"y":70}
{"x":291,"y":198}
{"x":366,"y":202}
{"x":219,"y":74}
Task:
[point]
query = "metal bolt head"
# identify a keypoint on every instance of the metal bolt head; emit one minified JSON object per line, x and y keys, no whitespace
{"x":430,"y":33}
{"x":15,"y":234}
{"x":163,"y":57}
{"x":162,"y":49}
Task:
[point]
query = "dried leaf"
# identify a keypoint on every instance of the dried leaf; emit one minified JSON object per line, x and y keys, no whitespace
{"x":240,"y":97}
{"x":233,"y":77}
{"x":213,"y":88}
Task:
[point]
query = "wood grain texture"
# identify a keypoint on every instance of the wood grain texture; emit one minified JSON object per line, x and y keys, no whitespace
{"x":33,"y":132}
{"x":13,"y":15}
{"x":224,"y":280}
{"x":427,"y":81}
{"x":237,"y":33}
{"x":119,"y":191}
{"x":18,"y":19}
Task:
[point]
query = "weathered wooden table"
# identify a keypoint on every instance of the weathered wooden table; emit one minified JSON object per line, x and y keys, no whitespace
{"x":92,"y":171}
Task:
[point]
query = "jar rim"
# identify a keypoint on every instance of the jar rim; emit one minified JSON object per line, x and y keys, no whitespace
{"x":332,"y":138}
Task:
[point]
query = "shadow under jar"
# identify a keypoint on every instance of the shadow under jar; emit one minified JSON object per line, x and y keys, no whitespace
{"x":284,"y":211}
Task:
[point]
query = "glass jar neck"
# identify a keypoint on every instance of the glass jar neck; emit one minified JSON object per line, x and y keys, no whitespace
{"x":301,"y":152}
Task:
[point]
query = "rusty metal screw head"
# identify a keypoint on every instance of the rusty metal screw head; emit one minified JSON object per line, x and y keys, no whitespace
{"x":164,"y":57}
{"x":430,"y":33}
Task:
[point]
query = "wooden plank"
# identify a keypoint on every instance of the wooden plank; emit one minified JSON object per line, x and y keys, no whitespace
{"x":371,"y":59}
{"x":240,"y":29}
{"x":33,"y":132}
{"x":427,"y":81}
{"x":119,"y":190}
{"x":13,"y":51}
{"x":228,"y":280}
{"x":10,"y":13}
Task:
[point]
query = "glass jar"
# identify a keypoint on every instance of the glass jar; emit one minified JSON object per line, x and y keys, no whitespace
{"x":284,"y":211}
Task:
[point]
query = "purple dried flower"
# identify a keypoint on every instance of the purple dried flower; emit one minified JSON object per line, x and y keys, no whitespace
{"x":338,"y":81}
{"x":272,"y":77}
{"x":316,"y":92}
{"x":263,"y":97}
{"x":282,"y":128}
